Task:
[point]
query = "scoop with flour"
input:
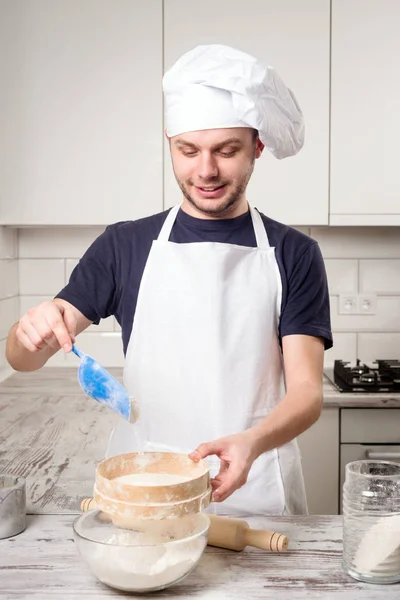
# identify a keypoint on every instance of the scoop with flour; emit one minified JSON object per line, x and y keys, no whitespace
{"x":100,"y":385}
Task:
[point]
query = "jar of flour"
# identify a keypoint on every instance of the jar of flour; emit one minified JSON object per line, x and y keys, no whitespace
{"x":371,"y":521}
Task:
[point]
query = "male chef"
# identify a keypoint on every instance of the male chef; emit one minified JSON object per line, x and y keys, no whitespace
{"x":224,"y":311}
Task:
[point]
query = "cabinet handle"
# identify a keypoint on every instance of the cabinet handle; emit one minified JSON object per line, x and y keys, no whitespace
{"x":383,"y":455}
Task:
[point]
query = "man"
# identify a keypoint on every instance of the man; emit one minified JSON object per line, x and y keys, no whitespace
{"x":224,"y":312}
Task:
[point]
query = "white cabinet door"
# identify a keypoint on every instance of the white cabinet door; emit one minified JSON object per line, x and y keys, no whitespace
{"x":293,"y":37}
{"x":365,"y":183}
{"x":319,"y":447}
{"x":80,"y":111}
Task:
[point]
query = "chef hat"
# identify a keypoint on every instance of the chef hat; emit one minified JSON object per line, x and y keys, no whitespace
{"x":215,"y":86}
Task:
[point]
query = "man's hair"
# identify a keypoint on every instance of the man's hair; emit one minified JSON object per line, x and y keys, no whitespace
{"x":255,"y":134}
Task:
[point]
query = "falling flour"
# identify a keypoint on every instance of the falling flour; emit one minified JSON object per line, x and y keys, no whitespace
{"x":151,"y":479}
{"x":126,"y":563}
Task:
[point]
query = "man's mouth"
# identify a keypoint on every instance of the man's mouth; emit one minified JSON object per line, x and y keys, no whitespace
{"x":211,"y":191}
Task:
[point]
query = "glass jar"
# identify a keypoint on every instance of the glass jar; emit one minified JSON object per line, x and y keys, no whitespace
{"x":371,"y":521}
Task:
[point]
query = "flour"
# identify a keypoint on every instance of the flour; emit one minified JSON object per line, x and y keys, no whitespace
{"x":378,"y":544}
{"x":130,"y":565}
{"x":151,"y":479}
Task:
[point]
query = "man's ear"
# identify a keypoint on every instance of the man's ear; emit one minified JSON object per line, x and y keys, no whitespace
{"x":259,"y":148}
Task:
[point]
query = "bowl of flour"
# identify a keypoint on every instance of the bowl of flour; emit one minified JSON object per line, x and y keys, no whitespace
{"x":155,"y":556}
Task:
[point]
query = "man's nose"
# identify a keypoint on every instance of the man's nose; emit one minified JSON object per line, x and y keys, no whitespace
{"x":208,"y":167}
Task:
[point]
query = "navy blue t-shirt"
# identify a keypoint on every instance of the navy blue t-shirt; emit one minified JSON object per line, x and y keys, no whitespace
{"x":107,"y":278}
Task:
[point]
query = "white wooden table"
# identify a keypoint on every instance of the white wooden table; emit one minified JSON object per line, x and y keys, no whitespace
{"x":53,"y":435}
{"x":43,"y":563}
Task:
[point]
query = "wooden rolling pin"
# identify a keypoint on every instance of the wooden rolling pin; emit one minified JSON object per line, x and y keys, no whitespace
{"x":232,"y":534}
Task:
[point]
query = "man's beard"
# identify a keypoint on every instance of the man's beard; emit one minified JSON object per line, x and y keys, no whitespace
{"x":228,"y":204}
{"x":220,"y":210}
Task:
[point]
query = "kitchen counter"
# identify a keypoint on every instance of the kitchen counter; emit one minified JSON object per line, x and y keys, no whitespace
{"x":54,"y":435}
{"x":61,"y":380}
{"x":43,"y":563}
{"x":334,"y":398}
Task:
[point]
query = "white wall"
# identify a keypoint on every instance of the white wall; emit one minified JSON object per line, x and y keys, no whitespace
{"x":9,"y":307}
{"x":357,"y":260}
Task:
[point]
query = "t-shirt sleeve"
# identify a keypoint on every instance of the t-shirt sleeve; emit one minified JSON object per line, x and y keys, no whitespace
{"x":92,"y":288}
{"x":307,"y":308}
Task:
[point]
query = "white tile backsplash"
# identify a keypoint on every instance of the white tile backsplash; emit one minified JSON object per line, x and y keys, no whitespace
{"x":8,"y":315}
{"x":358,"y":242}
{"x":342,"y":275}
{"x":387,"y":317}
{"x":41,"y":276}
{"x":69,"y":267}
{"x":106,"y":348}
{"x":380,"y":276}
{"x":8,"y":242}
{"x":8,"y":278}
{"x":373,"y":346}
{"x":5,"y":369}
{"x":56,"y":242}
{"x":344,"y":348}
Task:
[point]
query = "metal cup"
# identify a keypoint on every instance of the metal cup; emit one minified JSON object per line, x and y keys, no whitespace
{"x":12,"y":505}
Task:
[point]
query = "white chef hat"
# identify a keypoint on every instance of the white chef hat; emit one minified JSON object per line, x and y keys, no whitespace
{"x":215,"y":86}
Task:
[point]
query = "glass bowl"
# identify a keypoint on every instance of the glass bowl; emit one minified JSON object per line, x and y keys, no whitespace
{"x":154,"y":555}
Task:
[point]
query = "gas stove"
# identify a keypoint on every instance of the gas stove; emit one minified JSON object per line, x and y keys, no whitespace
{"x":381,"y":376}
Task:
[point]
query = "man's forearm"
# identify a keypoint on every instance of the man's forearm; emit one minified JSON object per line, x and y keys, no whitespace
{"x":22,"y":359}
{"x":295,"y":413}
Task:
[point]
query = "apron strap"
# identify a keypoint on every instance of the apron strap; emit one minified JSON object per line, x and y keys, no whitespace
{"x":168,"y":224}
{"x":259,"y":228}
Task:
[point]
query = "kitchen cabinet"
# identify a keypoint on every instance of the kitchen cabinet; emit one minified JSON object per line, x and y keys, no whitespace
{"x":319,"y":447}
{"x":368,"y":434}
{"x":365,"y":122}
{"x":80,"y":111}
{"x":293,"y":37}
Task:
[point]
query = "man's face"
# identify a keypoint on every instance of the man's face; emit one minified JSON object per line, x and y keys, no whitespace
{"x":213,"y":167}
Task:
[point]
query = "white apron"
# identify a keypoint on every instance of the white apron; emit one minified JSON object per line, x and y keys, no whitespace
{"x":204,"y":361}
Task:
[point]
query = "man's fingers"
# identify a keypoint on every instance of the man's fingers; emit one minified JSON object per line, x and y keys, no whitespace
{"x":206,"y":450}
{"x":227,"y":482}
{"x":26,"y":332}
{"x":25,"y":341}
{"x":71,"y":324}
{"x":57,"y":325}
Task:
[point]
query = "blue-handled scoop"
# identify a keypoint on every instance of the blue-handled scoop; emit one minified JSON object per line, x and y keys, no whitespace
{"x":100,"y":385}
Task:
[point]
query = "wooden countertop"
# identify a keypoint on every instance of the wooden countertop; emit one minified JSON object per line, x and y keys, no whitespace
{"x":54,"y":435}
{"x":63,"y":381}
{"x":43,"y":563}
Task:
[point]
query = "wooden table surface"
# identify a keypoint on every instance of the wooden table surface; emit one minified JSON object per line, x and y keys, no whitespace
{"x":53,"y":435}
{"x":43,"y":563}
{"x":64,"y":380}
{"x":55,"y":442}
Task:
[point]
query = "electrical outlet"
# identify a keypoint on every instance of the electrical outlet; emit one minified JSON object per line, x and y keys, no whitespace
{"x":366,"y":304}
{"x":348,"y":304}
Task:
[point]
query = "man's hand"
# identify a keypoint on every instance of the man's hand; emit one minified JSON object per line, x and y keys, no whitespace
{"x":237,"y":454}
{"x":41,"y":332}
{"x":48,"y":324}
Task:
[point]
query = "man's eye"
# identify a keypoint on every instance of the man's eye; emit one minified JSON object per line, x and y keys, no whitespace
{"x":189,"y":152}
{"x":228,"y":154}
